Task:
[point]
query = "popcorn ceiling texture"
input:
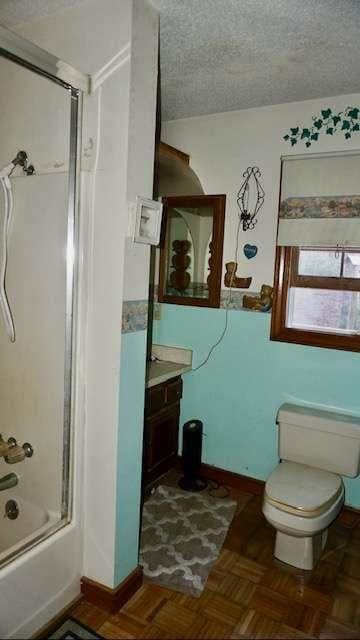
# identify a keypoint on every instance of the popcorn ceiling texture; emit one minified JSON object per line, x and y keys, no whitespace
{"x":15,"y":12}
{"x":223,"y":55}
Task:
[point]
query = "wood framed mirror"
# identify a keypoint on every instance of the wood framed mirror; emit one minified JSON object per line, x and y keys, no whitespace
{"x":191,"y":250}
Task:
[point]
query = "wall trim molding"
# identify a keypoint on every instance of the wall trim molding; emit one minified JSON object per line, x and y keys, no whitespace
{"x":231,"y":300}
{"x":234,"y":480}
{"x":112,"y":599}
{"x":99,"y":77}
{"x":134,"y":315}
{"x":229,"y":478}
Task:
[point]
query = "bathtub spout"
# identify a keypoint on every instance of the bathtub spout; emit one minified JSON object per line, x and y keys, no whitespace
{"x":9,"y":481}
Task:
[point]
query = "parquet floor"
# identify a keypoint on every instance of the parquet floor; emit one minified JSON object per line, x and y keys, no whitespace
{"x":249,"y":594}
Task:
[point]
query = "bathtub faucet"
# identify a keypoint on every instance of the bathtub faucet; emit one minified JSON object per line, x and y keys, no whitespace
{"x":9,"y":481}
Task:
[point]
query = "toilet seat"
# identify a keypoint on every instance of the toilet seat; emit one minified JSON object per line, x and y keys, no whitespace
{"x":301,"y":490}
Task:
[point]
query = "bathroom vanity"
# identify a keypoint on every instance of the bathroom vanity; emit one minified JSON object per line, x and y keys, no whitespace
{"x":162,"y":409}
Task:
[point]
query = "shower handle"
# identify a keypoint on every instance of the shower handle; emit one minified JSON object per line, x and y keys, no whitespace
{"x":4,"y":448}
{"x":12,"y":452}
{"x":22,"y":160}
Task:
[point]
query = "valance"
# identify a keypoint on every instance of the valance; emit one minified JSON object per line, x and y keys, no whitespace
{"x":320,"y":221}
{"x":312,"y":212}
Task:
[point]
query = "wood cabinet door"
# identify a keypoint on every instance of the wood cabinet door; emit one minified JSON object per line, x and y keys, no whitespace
{"x":161,"y":441}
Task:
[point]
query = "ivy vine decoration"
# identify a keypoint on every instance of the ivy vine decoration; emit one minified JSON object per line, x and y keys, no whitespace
{"x":328,"y":122}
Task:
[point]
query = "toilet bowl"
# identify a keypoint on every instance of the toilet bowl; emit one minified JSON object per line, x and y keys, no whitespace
{"x":305,"y":492}
{"x":300,"y":502}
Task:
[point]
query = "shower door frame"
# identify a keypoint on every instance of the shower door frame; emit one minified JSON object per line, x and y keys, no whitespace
{"x":26,"y":54}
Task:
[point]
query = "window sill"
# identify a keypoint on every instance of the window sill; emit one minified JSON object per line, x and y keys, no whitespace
{"x":317,"y":339}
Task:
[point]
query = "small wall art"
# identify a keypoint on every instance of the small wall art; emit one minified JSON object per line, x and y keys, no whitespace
{"x":147,"y":221}
{"x":250,"y":251}
{"x":328,"y":122}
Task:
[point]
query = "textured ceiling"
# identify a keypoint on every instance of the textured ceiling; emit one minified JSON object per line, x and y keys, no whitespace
{"x":13,"y":12}
{"x":221,"y":55}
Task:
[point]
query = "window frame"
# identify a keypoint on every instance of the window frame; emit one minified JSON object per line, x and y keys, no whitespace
{"x":286,"y":276}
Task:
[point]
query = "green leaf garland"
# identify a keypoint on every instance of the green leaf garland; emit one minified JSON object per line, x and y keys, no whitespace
{"x":328,"y":122}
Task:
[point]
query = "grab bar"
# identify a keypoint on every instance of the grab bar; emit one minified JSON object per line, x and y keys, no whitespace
{"x":9,"y":481}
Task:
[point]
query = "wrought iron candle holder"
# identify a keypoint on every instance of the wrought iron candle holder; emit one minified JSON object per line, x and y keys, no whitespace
{"x":250,"y":198}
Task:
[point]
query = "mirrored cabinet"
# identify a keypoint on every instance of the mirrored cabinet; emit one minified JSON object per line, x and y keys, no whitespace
{"x":191,"y":250}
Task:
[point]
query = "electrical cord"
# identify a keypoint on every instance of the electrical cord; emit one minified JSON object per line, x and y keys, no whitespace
{"x":223,"y":333}
{"x":214,"y":486}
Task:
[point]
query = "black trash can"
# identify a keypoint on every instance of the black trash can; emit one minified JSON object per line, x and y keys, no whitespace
{"x":191,"y":456}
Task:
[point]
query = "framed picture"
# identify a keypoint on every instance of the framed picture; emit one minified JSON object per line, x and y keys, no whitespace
{"x":147,"y":221}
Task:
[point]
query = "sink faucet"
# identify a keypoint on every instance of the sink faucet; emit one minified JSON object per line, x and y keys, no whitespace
{"x":9,"y":481}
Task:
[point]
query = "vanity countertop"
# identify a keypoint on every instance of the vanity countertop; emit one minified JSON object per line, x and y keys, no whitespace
{"x":160,"y":370}
{"x":170,"y":362}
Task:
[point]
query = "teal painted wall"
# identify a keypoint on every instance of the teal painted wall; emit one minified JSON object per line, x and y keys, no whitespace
{"x":237,"y":393}
{"x":130,"y":442}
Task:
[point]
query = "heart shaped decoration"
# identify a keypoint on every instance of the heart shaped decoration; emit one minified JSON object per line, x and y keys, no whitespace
{"x":250,"y":250}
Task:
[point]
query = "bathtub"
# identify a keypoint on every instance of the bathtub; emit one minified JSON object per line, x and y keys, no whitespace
{"x":32,"y":525}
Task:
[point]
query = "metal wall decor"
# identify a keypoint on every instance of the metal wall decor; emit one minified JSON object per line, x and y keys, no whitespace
{"x":327,"y":122}
{"x":250,"y":198}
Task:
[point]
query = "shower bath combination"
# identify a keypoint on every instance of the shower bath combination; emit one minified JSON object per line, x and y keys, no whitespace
{"x":5,"y":173}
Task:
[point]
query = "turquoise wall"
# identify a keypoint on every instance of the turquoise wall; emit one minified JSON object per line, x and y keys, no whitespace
{"x":237,"y":393}
{"x":130,"y":442}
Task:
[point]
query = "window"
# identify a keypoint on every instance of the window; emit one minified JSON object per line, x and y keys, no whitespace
{"x":317,"y":297}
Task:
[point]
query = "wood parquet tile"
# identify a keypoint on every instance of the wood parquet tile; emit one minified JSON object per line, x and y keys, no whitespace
{"x":90,"y":615}
{"x":173,"y":616}
{"x":249,"y":594}
{"x":333,"y":630}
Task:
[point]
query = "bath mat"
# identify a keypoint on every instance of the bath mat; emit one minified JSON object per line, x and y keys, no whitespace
{"x":70,"y":629}
{"x":181,"y":537}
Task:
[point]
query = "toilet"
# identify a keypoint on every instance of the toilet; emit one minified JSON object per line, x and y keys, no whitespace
{"x":305,"y":492}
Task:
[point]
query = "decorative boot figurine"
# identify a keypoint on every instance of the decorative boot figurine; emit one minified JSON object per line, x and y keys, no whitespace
{"x":232,"y":280}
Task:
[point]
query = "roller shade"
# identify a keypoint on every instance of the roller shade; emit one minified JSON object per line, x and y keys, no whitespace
{"x":320,"y":202}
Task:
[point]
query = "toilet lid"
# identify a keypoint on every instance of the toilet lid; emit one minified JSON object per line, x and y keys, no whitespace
{"x":297,"y":488}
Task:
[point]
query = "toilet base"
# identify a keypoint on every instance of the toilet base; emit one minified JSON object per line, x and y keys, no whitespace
{"x":303,"y":553}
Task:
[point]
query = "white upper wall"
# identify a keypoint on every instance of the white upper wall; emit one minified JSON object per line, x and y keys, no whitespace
{"x":223,"y":145}
{"x":87,"y":36}
{"x":141,"y":146}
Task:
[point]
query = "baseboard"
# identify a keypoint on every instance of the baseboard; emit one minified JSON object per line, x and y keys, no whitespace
{"x":112,"y":599}
{"x":234,"y":480}
{"x":349,"y":517}
{"x":247,"y":484}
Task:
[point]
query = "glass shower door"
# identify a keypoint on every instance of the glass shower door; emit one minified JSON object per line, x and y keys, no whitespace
{"x":37,"y":116}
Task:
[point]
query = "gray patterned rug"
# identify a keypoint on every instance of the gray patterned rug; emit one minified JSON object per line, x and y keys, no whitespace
{"x":182,"y":535}
{"x":71,"y":629}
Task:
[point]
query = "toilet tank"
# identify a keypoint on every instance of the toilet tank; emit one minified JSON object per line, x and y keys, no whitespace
{"x":324,"y":439}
